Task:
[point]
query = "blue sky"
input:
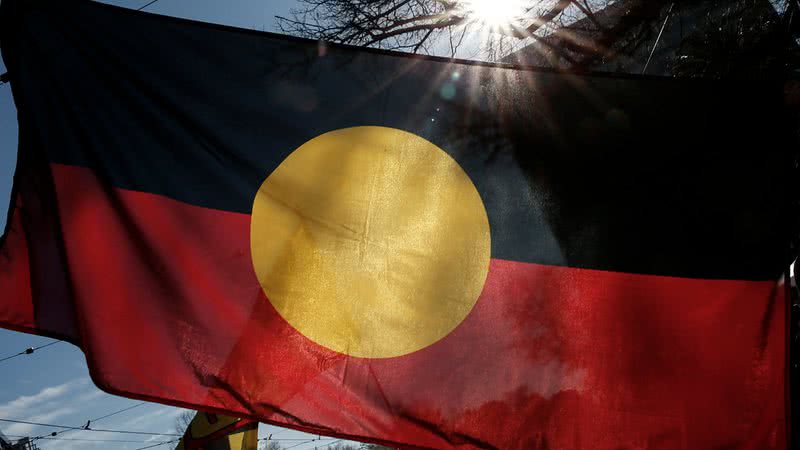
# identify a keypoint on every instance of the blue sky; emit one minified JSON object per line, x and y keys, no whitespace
{"x":52,"y":385}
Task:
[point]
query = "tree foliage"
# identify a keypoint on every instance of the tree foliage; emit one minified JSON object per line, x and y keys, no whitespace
{"x":574,"y":34}
{"x":270,"y":445}
{"x":275,"y":445}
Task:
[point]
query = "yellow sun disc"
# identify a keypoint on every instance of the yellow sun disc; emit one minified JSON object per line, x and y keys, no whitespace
{"x":370,"y":241}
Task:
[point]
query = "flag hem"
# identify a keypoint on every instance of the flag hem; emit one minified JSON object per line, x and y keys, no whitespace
{"x":312,"y":43}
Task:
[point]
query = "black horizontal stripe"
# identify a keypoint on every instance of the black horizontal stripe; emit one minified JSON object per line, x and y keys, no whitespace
{"x":658,"y":176}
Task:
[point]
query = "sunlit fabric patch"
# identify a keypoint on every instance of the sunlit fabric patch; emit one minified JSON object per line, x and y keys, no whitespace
{"x":371,"y":241}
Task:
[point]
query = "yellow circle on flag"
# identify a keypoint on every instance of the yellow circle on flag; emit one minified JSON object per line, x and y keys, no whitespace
{"x":370,"y":241}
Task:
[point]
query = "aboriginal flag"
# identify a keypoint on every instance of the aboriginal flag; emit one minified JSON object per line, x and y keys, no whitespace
{"x":411,"y":251}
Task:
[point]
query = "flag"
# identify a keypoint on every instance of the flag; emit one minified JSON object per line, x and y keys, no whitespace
{"x":412,"y":251}
{"x":209,"y":431}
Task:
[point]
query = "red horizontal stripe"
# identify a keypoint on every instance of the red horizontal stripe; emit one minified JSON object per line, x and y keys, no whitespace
{"x":551,"y":357}
{"x":16,"y":307}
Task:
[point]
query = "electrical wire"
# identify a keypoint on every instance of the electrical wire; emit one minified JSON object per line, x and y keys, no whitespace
{"x":55,"y":433}
{"x":328,"y":445}
{"x":305,"y":442}
{"x":28,"y":351}
{"x":145,"y":6}
{"x":281,"y":431}
{"x":158,"y":444}
{"x":126,"y":441}
{"x":99,"y":430}
{"x":120,"y":411}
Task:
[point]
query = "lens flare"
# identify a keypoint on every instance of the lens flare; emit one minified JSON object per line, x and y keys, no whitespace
{"x":494,"y":13}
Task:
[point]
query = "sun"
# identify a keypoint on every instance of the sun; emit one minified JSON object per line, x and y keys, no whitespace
{"x":494,"y":13}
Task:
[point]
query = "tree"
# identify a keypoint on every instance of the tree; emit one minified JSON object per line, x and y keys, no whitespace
{"x":572,"y":34}
{"x":341,"y":446}
{"x":270,"y":445}
{"x":418,"y":25}
{"x":394,"y":24}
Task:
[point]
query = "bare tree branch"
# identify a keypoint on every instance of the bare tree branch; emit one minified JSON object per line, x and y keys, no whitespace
{"x":541,"y":20}
{"x":576,"y":34}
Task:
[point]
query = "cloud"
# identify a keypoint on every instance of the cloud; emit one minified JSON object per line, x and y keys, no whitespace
{"x":43,"y":406}
{"x":160,"y":420}
{"x":20,"y":405}
{"x":91,"y":395}
{"x":69,"y":445}
{"x":81,"y":440}
{"x":25,"y":429}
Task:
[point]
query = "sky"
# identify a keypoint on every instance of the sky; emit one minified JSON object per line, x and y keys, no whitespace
{"x":52,"y":385}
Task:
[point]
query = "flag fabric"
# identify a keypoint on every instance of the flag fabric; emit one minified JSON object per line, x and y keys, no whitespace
{"x":208,"y":431}
{"x":412,"y":251}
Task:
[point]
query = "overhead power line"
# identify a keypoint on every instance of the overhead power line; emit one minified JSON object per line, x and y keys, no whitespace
{"x":88,"y":423}
{"x":128,"y":441}
{"x":145,"y":6}
{"x":125,"y":441}
{"x":98,"y":430}
{"x":119,"y":411}
{"x":28,"y":351}
{"x":305,"y":442}
{"x":328,"y":445}
{"x":279,"y":432}
{"x":323,"y":445}
{"x":287,"y":448}
{"x":296,"y":439}
{"x":159,"y":443}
